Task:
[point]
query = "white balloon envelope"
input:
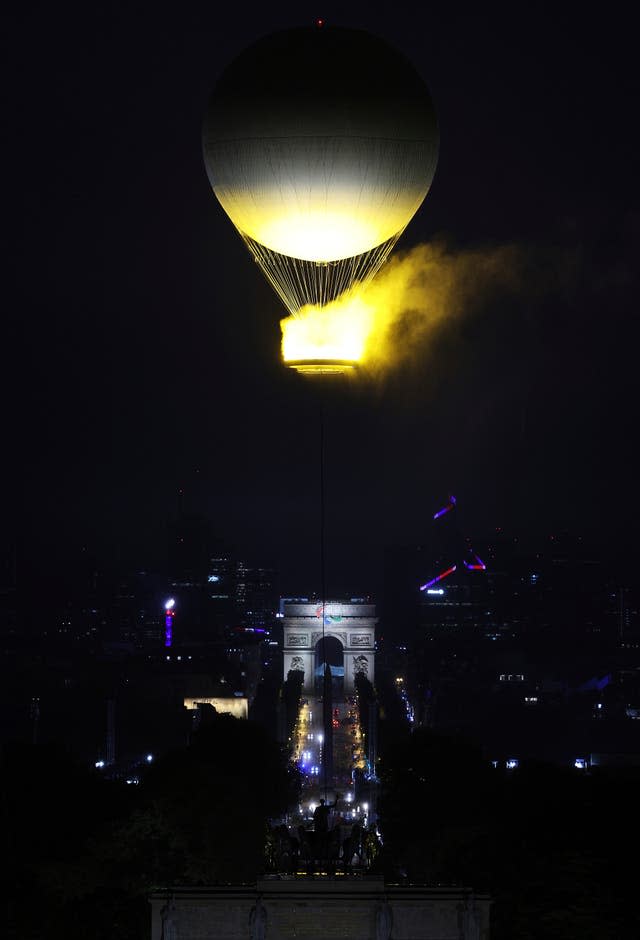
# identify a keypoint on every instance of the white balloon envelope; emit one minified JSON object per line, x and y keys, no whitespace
{"x":320,"y":145}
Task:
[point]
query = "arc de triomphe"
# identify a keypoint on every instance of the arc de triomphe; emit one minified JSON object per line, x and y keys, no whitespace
{"x":353,"y":623}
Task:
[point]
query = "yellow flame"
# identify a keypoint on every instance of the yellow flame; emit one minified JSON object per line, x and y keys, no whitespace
{"x":384,"y":321}
{"x":337,"y":331}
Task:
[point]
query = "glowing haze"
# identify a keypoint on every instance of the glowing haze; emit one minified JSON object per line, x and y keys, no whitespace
{"x":379,"y":324}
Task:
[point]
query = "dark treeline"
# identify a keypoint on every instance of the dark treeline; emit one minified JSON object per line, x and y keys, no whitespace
{"x":84,"y":852}
{"x":553,"y":846}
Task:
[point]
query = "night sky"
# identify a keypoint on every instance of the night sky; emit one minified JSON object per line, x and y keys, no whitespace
{"x":148,"y":353}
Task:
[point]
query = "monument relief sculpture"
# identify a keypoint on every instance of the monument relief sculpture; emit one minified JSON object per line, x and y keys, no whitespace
{"x":258,"y":920}
{"x":168,"y":916}
{"x":384,"y":921}
{"x":361,"y":666}
{"x":360,"y":639}
{"x":471,"y":920}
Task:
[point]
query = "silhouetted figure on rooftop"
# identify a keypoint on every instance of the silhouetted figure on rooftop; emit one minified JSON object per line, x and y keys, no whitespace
{"x":321,"y":827}
{"x":352,"y":846}
{"x":370,"y":844}
{"x":321,"y":816}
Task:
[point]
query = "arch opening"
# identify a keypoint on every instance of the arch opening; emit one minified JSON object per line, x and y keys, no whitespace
{"x":329,"y":652}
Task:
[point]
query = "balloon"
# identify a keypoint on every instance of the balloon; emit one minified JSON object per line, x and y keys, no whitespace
{"x":320,"y":144}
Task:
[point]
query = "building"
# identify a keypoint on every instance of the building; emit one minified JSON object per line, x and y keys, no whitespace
{"x":345,"y":640}
{"x":236,"y":706}
{"x":454,"y":591}
{"x":216,"y":591}
{"x":256,"y":596}
{"x":320,"y":907}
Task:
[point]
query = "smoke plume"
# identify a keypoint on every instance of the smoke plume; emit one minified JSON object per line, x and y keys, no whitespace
{"x":389,"y":320}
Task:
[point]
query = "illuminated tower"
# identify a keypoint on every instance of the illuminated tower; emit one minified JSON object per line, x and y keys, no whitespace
{"x":169,"y":614}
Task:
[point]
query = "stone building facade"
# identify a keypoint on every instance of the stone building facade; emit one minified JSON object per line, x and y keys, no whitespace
{"x":320,"y":908}
{"x":352,"y":624}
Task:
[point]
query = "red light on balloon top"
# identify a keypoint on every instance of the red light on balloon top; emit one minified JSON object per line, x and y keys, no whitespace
{"x":319,"y":23}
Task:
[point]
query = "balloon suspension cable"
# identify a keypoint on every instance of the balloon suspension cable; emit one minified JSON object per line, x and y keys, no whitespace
{"x":323,"y":585}
{"x":301,"y":283}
